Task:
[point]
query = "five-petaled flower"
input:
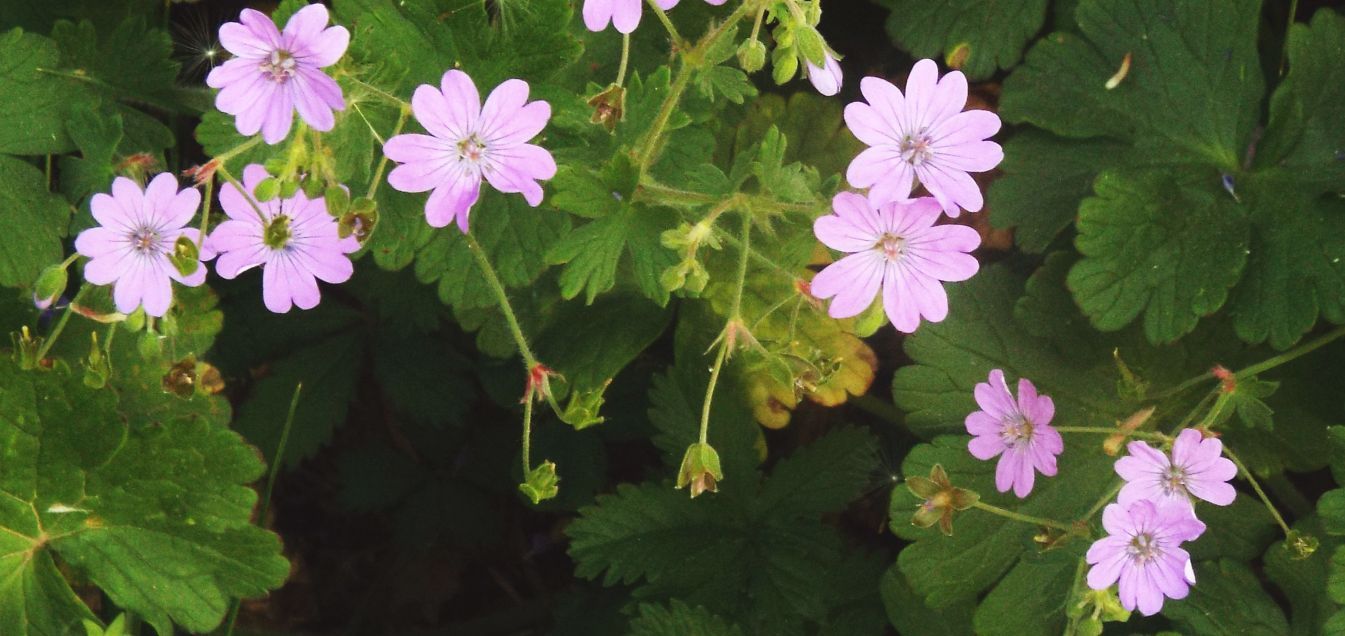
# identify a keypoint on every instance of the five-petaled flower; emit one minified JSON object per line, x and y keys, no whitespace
{"x":922,"y":135}
{"x":1196,"y":468}
{"x":622,"y":14}
{"x":1142,"y":551}
{"x":275,"y":72}
{"x":295,"y":241}
{"x":133,"y":246}
{"x":939,"y":500}
{"x":895,"y":247}
{"x":469,"y":141}
{"x":1018,"y":431}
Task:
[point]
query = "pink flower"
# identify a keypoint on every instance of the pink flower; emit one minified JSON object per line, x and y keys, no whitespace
{"x":1019,"y":432}
{"x":922,"y":135}
{"x":826,"y":79}
{"x":623,"y":14}
{"x":468,"y":141}
{"x":896,"y":247}
{"x":136,"y":236}
{"x":275,"y":72}
{"x":1197,"y":469}
{"x":1142,"y":552}
{"x":296,"y":244}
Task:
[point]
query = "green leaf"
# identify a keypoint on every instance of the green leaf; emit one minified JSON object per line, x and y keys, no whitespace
{"x":36,"y":219}
{"x":589,"y":345}
{"x":1192,"y":95}
{"x":1304,"y":137}
{"x":592,"y":254}
{"x":1045,"y":177}
{"x":132,"y":62}
{"x":1304,"y":581}
{"x":1189,"y":106}
{"x":156,"y":516}
{"x":328,"y":370}
{"x":1227,"y":599}
{"x":788,"y":182}
{"x":708,"y":552}
{"x":726,"y":81}
{"x":821,"y":478}
{"x":1296,"y":269}
{"x":954,"y":355}
{"x":97,"y":136}
{"x":680,"y":619}
{"x":907,"y":611}
{"x":34,"y":102}
{"x":515,"y":237}
{"x":1139,"y":256}
{"x":414,"y":37}
{"x":994,"y":33}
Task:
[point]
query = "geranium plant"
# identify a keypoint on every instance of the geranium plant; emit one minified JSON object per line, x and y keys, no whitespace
{"x":481,"y":316}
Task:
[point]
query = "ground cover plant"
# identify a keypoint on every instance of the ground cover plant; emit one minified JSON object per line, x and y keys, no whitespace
{"x":716,"y":317}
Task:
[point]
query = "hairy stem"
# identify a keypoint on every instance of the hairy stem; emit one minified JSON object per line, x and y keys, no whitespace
{"x":1261,"y":493}
{"x":662,"y":16}
{"x":1258,"y":368}
{"x":1036,"y":521}
{"x":527,"y":432}
{"x":383,"y":160}
{"x":1102,"y":430}
{"x":205,"y":211}
{"x":60,"y":324}
{"x":247,"y":196}
{"x":625,"y":59}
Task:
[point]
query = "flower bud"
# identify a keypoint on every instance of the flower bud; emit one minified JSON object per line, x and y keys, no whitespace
{"x":97,"y":365}
{"x":50,"y":285}
{"x":673,"y":278}
{"x":312,"y":186}
{"x":700,"y":470}
{"x":337,"y":200}
{"x":268,"y":189}
{"x":697,"y":278}
{"x":186,"y":256}
{"x":289,"y":188}
{"x":541,"y":483}
{"x":784,"y":65}
{"x":751,"y":55}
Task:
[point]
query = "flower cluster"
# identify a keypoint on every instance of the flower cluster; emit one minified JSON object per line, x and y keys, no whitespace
{"x":1154,"y":512}
{"x":892,"y":241}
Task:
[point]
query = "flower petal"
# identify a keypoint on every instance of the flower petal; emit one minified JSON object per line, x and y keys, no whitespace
{"x":853,"y":281}
{"x":453,"y":199}
{"x":985,"y":447}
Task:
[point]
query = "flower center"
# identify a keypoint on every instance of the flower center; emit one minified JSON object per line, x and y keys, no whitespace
{"x":892,"y":246}
{"x":277,"y":235}
{"x":144,"y":240}
{"x":280,"y":66}
{"x":1017,"y":431}
{"x":1174,"y":480}
{"x":472,"y":148}
{"x":1143,"y":548}
{"x":916,"y":149}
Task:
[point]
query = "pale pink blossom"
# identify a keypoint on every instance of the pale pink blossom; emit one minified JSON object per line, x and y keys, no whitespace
{"x":469,"y":141}
{"x":895,"y":248}
{"x":1196,"y":468}
{"x":622,"y":14}
{"x":135,"y":238}
{"x":922,"y":135}
{"x":1018,"y":431}
{"x":827,"y":79}
{"x":275,"y":72}
{"x":1142,"y":552}
{"x":295,"y":241}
